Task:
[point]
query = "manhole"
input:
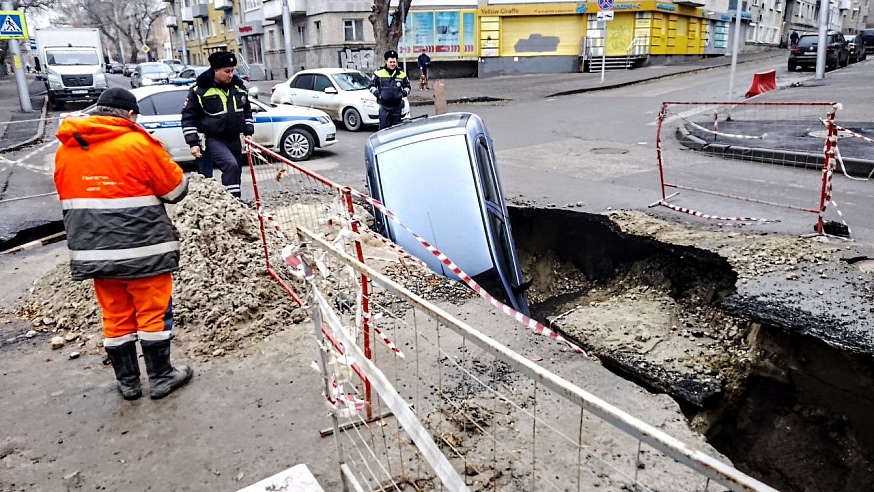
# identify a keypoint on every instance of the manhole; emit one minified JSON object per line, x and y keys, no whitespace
{"x":824,"y":133}
{"x":608,"y":151}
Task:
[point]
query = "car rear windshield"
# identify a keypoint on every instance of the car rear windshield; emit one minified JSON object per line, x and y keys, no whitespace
{"x":805,"y":41}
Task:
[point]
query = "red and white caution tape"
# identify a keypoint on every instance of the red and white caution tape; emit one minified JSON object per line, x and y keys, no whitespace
{"x":708,"y":216}
{"x":531,"y":324}
{"x":344,"y":401}
{"x":272,"y":222}
{"x":385,"y":339}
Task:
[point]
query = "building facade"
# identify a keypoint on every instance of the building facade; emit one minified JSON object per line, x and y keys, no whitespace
{"x":491,"y":37}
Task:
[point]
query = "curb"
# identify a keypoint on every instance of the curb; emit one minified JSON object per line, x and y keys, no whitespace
{"x":39,"y":131}
{"x":861,"y":168}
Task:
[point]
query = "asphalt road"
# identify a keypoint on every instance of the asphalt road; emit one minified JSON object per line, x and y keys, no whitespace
{"x":597,"y":148}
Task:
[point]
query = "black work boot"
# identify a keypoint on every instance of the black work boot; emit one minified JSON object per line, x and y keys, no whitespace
{"x":163,"y":377}
{"x":127,"y":369}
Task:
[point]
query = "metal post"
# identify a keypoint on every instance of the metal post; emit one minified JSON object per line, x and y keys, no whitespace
{"x":286,"y":26}
{"x":20,"y":79}
{"x":403,"y":33}
{"x":823,"y":37}
{"x":735,"y":46}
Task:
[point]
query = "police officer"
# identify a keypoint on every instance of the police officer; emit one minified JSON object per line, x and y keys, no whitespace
{"x":218,"y":106}
{"x":390,"y":85}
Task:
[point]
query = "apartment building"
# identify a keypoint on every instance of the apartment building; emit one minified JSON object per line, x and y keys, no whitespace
{"x":199,"y":28}
{"x":482,"y":37}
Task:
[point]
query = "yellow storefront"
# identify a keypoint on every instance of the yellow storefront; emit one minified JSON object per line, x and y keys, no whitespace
{"x":553,"y":38}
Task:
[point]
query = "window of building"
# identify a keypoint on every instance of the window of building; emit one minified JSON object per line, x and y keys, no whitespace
{"x":230,"y":24}
{"x":253,"y":4}
{"x":353,"y":29}
{"x":302,"y":35}
{"x":318,"y":25}
{"x":271,"y":39}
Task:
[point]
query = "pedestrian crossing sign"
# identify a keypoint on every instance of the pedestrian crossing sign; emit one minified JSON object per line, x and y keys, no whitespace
{"x":12,"y":25}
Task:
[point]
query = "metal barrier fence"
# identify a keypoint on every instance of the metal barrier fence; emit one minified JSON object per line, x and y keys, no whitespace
{"x":422,"y":401}
{"x":458,"y":410}
{"x":791,"y":137}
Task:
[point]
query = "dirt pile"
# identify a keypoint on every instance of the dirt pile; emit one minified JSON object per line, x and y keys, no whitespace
{"x":224,"y":302}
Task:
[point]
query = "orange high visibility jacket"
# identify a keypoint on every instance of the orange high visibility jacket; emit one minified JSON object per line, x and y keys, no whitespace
{"x":113,"y":179}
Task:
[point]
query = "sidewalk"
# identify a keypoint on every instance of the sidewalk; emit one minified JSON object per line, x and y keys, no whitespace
{"x":17,"y":128}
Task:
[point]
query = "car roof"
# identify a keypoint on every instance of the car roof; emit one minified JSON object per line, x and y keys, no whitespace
{"x":327,"y":70}
{"x":144,"y":92}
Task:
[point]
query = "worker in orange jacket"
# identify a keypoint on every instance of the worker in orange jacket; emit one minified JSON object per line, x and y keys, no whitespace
{"x":113,"y":179}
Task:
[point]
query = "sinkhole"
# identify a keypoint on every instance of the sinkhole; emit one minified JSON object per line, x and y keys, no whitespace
{"x":786,"y":408}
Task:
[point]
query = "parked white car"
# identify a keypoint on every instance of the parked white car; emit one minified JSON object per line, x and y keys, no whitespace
{"x":342,"y":93}
{"x":294,"y":131}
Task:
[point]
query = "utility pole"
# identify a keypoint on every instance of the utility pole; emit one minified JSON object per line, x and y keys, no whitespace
{"x":404,"y":33}
{"x":20,"y":79}
{"x":286,"y":26}
{"x":823,"y":38}
{"x":735,"y":46}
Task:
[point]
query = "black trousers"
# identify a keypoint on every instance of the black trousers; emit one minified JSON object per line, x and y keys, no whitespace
{"x":389,"y":116}
{"x":226,"y":154}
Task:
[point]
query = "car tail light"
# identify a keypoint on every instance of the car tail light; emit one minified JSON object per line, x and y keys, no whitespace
{"x":272,"y":90}
{"x":246,"y":79}
{"x":830,"y":48}
{"x":795,"y":49}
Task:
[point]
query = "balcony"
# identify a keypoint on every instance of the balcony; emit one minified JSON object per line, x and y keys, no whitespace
{"x":186,"y":15}
{"x":170,"y":21}
{"x":844,"y":5}
{"x":690,"y":3}
{"x":223,"y":4}
{"x":273,"y":8}
{"x":200,"y":10}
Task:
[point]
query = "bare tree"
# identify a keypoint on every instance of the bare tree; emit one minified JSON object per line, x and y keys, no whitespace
{"x":129,"y":22}
{"x":387,"y":33}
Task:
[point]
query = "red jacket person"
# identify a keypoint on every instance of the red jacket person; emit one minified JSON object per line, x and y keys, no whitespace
{"x":113,"y":180}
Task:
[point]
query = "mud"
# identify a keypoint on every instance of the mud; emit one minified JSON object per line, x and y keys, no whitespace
{"x":764,"y":339}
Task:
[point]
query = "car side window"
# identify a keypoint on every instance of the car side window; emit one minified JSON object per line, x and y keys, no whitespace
{"x":147,"y":108}
{"x":303,"y":81}
{"x":320,"y":83}
{"x":485,"y":168}
{"x":169,"y":102}
{"x":187,"y":74}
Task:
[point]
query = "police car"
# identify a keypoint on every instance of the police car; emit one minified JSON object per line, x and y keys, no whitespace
{"x":292,"y":131}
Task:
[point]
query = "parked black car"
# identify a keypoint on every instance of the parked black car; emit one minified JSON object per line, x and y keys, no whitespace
{"x":803,"y":54}
{"x":867,"y":36}
{"x":857,"y":49}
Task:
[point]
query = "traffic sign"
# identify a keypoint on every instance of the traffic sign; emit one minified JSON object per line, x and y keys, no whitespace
{"x":145,"y":49}
{"x":604,"y":15}
{"x":12,"y":25}
{"x":605,"y":4}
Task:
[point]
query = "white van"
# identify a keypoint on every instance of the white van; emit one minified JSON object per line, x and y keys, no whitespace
{"x":439,"y":177}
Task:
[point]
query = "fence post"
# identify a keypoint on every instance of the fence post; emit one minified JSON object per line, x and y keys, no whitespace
{"x":365,"y":294}
{"x":831,"y":141}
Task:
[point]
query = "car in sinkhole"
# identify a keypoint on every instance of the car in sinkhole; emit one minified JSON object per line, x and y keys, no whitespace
{"x":438,"y":175}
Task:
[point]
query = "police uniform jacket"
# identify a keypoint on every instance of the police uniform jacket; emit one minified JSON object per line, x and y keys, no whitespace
{"x":390,"y":87}
{"x":113,"y":179}
{"x":216,"y":111}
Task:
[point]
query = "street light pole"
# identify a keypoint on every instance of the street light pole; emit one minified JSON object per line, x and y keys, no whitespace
{"x":20,"y":79}
{"x":286,"y":26}
{"x":735,"y":46}
{"x":823,"y":37}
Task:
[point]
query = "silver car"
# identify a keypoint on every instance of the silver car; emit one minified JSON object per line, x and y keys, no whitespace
{"x":151,"y":73}
{"x":438,"y":175}
{"x":340,"y":92}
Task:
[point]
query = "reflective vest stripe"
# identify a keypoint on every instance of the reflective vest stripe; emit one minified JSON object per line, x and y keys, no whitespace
{"x":123,"y":254}
{"x":111,"y":203}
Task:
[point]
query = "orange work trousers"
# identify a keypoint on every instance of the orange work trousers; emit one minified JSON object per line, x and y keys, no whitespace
{"x":142,"y":304}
